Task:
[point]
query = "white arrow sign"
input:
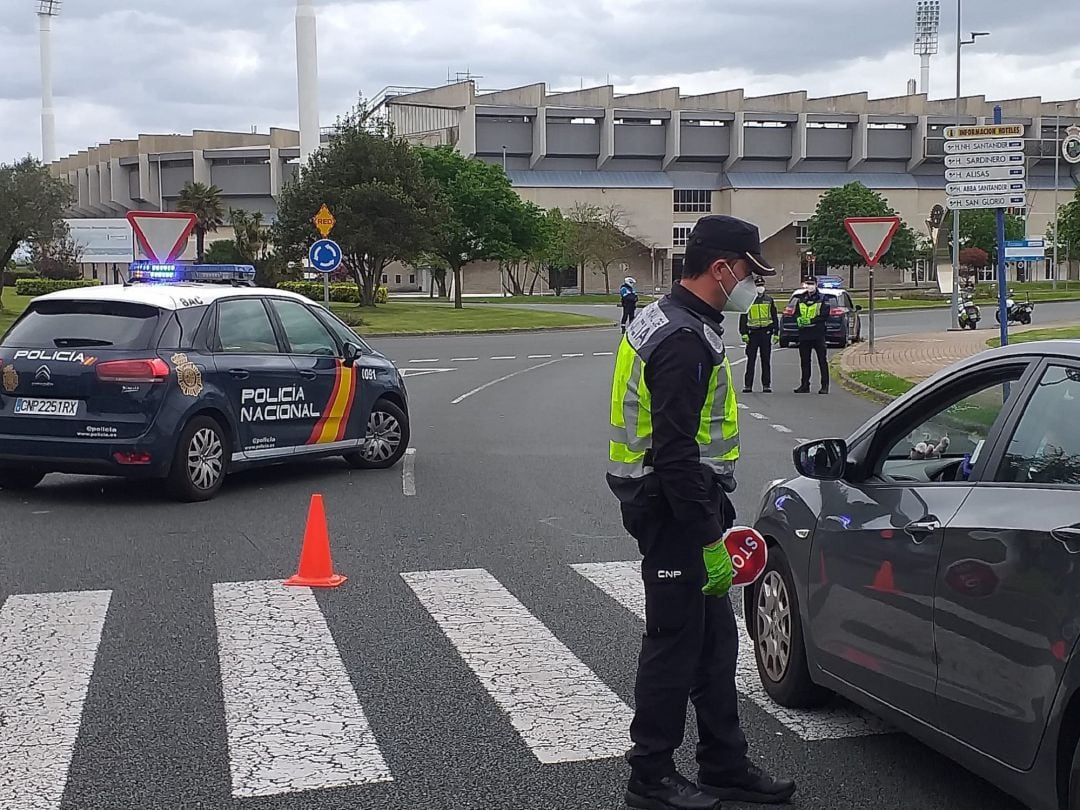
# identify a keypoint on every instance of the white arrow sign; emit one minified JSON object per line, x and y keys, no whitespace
{"x":992,"y":145}
{"x":997,"y":159}
{"x":992,"y":187}
{"x":968,"y":203}
{"x":978,"y":175}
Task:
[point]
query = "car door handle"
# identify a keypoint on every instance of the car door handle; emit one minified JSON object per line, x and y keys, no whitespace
{"x":1068,"y":536}
{"x":239,"y":373}
{"x":919,"y":529}
{"x":308,"y":375}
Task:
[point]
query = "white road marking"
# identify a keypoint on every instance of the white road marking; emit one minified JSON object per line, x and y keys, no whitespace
{"x":757,"y":415}
{"x":505,"y":377}
{"x":408,"y":472}
{"x":573,"y":355}
{"x":420,"y":372}
{"x":738,"y":362}
{"x":462,"y":359}
{"x":436,"y":360}
{"x":48,"y":643}
{"x":743,"y":406}
{"x":293,"y":719}
{"x":801,"y":441}
{"x":602,"y":354}
{"x":561,"y":709}
{"x":781,"y":429}
{"x":505,"y":357}
{"x":537,"y":356}
{"x":622,"y":582}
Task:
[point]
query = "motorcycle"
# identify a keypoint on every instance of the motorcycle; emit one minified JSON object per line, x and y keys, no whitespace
{"x":1016,"y":311}
{"x":968,"y":314}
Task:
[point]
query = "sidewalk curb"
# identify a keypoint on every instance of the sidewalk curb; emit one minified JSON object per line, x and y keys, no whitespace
{"x":467,"y":333}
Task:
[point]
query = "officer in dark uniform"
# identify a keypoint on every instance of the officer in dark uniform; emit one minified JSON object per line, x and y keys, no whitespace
{"x":672,"y":456}
{"x":759,"y":328}
{"x":811,"y":313}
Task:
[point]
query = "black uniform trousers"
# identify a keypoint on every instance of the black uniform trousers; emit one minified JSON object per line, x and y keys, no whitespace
{"x":807,"y":348}
{"x":688,"y":652}
{"x":629,"y":309}
{"x":760,"y":342}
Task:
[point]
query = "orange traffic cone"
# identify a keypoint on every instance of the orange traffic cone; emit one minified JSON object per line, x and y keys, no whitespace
{"x":883,"y":580}
{"x":316,"y":569}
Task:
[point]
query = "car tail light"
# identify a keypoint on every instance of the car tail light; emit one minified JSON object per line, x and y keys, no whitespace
{"x":154,"y":370}
{"x":132,"y":458}
{"x":837,"y":311}
{"x":789,"y":310}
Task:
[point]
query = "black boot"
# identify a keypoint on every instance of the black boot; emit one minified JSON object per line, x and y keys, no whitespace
{"x":803,"y":389}
{"x":753,"y":785}
{"x":672,"y":792}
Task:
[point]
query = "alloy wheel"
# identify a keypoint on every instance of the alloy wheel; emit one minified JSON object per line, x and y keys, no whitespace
{"x":773,"y":637}
{"x":383,"y":437}
{"x":205,"y":459}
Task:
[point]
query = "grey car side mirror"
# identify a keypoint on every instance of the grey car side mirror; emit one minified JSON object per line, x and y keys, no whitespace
{"x":823,"y":460}
{"x":351,"y":352}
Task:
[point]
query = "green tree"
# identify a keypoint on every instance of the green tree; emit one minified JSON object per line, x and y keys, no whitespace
{"x":32,"y":205}
{"x":205,"y":203}
{"x":223,"y":251}
{"x":1068,"y":238}
{"x":57,"y":258}
{"x":830,"y":241}
{"x":481,"y":210}
{"x":386,"y":208}
{"x":978,"y":229}
{"x":530,"y":237}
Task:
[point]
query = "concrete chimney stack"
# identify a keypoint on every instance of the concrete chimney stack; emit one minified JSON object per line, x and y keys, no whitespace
{"x":307,"y":79}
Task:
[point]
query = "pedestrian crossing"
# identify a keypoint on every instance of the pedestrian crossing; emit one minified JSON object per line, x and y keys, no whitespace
{"x":292,"y":716}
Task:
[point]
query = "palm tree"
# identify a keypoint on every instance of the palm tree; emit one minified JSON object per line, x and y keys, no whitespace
{"x":205,"y":203}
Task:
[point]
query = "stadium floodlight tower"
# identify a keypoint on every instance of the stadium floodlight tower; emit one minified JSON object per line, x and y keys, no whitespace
{"x":307,"y":79}
{"x":927,"y":22}
{"x":46,"y":10}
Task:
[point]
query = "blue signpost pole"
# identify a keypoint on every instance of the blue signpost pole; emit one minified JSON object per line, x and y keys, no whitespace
{"x":1003,"y":318}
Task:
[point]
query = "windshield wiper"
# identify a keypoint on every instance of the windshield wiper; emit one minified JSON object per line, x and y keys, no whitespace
{"x":68,"y":342}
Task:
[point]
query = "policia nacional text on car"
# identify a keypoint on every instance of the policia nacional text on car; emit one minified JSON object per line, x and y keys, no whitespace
{"x":673,"y":448}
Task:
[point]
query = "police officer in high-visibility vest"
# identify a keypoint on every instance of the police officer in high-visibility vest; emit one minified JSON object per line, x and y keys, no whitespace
{"x":759,"y":328}
{"x":811,"y":315}
{"x":672,"y":453}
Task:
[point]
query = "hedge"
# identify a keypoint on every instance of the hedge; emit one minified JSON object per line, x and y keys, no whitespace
{"x":11,"y":276}
{"x":41,"y":286}
{"x":339,"y":293}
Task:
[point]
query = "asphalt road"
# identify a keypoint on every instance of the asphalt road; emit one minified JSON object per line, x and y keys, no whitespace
{"x":175,"y":677}
{"x":887,"y":322}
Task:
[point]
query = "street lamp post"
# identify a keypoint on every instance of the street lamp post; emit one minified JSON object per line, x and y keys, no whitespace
{"x":927,"y":18}
{"x":1057,"y":170}
{"x":960,"y":43}
{"x":47,"y":9}
{"x":504,"y":158}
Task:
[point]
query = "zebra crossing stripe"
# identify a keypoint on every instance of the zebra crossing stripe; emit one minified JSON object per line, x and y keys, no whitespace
{"x":293,"y":719}
{"x":560,"y":708}
{"x":48,"y":643}
{"x":622,"y":582}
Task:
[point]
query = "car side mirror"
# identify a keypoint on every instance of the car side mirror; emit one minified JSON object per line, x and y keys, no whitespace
{"x":858,"y":307}
{"x":351,"y":353}
{"x":823,"y":460}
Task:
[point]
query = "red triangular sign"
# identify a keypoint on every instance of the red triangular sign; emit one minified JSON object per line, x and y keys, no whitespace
{"x":163,"y":235}
{"x":872,"y":236}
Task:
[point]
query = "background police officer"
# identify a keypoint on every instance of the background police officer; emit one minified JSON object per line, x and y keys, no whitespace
{"x":629,"y":298}
{"x":672,"y":477}
{"x":811,"y":313}
{"x":759,"y":328}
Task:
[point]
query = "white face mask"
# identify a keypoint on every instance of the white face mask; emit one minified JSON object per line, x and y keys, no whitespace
{"x":810,"y":288}
{"x":760,"y":290}
{"x":742,"y":297}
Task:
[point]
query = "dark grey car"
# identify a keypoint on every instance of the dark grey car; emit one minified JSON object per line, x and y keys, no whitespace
{"x":928,"y":569}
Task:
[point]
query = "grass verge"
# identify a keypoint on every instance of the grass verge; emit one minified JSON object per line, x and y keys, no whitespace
{"x":1061,"y":333}
{"x":11,"y":307}
{"x":399,"y":316}
{"x":883,"y":381}
{"x":555,"y":299}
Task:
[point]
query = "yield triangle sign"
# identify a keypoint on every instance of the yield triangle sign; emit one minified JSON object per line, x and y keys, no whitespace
{"x":163,"y":235}
{"x":872,"y":236}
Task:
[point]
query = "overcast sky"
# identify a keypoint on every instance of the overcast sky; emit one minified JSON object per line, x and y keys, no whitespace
{"x":125,"y":67}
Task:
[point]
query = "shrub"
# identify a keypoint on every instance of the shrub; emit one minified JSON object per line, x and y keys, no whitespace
{"x":339,"y":293}
{"x":41,"y":286}
{"x":351,"y":317}
{"x":12,"y":276}
{"x":382,"y":295}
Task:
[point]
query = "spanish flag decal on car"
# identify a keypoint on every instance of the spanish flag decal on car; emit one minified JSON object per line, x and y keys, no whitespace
{"x":333,"y":423}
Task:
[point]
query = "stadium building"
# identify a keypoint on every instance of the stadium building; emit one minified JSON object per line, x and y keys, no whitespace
{"x":662,"y":159}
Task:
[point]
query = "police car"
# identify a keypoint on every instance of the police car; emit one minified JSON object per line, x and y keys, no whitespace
{"x":843,"y":325}
{"x":185,"y":374}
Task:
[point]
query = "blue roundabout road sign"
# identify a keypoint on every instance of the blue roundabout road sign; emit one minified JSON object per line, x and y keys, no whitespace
{"x":325,"y":256}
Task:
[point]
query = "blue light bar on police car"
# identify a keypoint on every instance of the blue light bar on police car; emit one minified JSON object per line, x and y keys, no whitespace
{"x":830,"y":282}
{"x":146,"y":271}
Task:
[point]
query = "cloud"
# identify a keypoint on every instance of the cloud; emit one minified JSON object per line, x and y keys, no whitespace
{"x":158,"y":66}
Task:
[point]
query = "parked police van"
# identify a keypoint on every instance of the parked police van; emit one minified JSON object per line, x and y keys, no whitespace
{"x":187,"y":373}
